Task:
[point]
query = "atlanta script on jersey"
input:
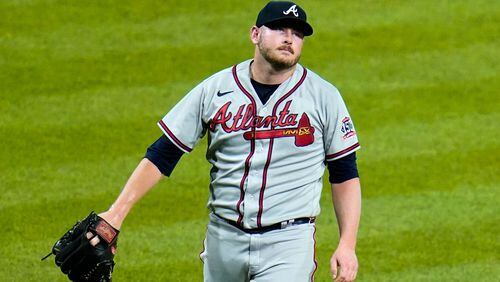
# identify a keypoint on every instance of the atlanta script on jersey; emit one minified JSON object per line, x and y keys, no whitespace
{"x":268,"y":159}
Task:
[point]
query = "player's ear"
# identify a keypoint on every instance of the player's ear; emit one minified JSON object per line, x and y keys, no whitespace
{"x":254,"y":34}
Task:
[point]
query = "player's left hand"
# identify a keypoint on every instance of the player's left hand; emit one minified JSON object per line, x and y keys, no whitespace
{"x":344,"y":264}
{"x":86,"y":251}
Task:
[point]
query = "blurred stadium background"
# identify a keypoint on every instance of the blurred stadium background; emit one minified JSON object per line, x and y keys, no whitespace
{"x":84,"y":82}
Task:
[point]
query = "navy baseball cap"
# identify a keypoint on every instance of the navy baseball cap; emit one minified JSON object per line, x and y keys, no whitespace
{"x":284,"y":13}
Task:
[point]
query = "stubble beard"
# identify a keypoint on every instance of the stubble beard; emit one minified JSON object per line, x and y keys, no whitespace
{"x":277,"y":62}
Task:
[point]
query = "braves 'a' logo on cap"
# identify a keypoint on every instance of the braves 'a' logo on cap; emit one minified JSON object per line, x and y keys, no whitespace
{"x":293,"y":10}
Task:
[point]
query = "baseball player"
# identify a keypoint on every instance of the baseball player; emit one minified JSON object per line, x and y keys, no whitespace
{"x":273,"y":126}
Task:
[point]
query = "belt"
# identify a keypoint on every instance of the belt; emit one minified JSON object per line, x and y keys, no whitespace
{"x":276,"y":226}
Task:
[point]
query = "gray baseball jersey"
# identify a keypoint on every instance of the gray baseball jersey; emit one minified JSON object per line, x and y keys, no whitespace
{"x":267,"y":159}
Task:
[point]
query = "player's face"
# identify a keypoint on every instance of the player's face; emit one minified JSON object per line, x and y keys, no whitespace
{"x":280,"y":46}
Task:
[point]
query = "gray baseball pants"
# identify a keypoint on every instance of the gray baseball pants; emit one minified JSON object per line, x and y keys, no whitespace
{"x":232,"y":255}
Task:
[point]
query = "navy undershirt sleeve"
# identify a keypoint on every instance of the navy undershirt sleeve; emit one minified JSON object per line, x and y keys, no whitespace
{"x":164,"y":155}
{"x":343,"y":169}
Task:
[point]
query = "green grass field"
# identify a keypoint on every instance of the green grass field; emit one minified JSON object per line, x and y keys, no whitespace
{"x":84,"y":82}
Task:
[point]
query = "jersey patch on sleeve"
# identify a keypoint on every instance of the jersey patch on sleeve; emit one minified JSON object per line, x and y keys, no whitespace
{"x":347,"y":128}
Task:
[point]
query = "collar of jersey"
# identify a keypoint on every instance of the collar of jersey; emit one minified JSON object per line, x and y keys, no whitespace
{"x":243,"y":75}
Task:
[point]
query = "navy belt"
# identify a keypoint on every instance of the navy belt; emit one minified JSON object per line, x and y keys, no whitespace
{"x":276,"y":226}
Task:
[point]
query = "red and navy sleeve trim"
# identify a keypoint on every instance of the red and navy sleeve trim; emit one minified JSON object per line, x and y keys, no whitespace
{"x":343,"y":152}
{"x":174,"y":139}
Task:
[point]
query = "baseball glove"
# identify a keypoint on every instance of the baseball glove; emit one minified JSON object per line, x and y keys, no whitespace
{"x":78,"y":258}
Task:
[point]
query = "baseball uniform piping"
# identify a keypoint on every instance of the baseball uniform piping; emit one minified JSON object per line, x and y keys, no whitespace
{"x":314,"y":255}
{"x":173,"y":138}
{"x":346,"y":150}
{"x":264,"y":182}
{"x":270,"y":150}
{"x":252,"y":146}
